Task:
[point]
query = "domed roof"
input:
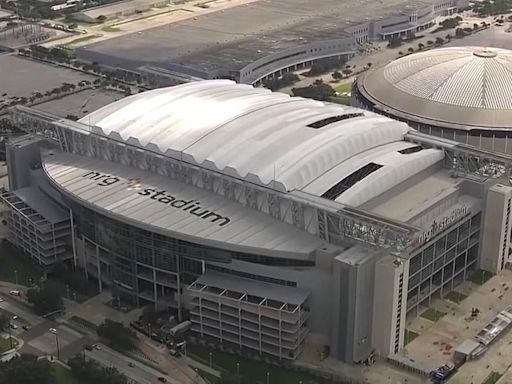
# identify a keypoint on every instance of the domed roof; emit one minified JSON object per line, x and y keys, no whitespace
{"x":284,"y":142}
{"x":466,"y":86}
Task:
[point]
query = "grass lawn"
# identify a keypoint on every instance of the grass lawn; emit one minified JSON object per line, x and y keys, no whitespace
{"x":252,"y":372}
{"x":5,"y":344}
{"x":492,"y":378}
{"x":410,"y":336}
{"x":432,"y":314}
{"x":63,"y":375}
{"x":345,"y":87}
{"x":480,"y":277}
{"x":210,"y":379}
{"x":12,"y":260}
{"x":110,"y":28}
{"x":455,"y":297}
{"x":82,"y":39}
{"x":344,"y":100}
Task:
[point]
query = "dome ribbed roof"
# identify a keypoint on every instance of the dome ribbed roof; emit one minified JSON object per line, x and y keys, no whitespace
{"x":457,"y":85}
{"x":467,"y":77}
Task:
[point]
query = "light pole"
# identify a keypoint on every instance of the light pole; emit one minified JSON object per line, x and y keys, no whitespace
{"x":16,"y":276}
{"x":67,"y":291}
{"x":268,"y":377}
{"x":10,"y":336}
{"x":238,"y":369}
{"x":54,"y":331}
{"x":210,"y":359}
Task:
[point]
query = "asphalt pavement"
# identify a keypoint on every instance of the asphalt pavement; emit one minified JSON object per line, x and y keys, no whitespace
{"x":39,"y":341}
{"x":19,"y":310}
{"x":139,"y":372}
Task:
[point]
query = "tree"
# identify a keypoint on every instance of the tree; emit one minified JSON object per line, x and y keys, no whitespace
{"x":4,"y":321}
{"x":395,"y":42}
{"x":439,"y":41}
{"x":410,"y":49}
{"x":46,"y":298}
{"x":369,"y":65}
{"x":346,"y":72}
{"x":317,"y":69}
{"x":318,"y":82}
{"x":149,"y":315}
{"x":320,"y":92}
{"x":101,"y":18}
{"x":337,"y":75}
{"x":459,"y":32}
{"x":448,"y":37}
{"x":26,"y":369}
{"x":421,"y":46}
{"x":117,"y":335}
{"x":91,"y":372}
{"x":430,"y":42}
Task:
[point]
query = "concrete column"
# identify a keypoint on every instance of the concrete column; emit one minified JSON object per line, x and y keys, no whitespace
{"x":496,"y":229}
{"x":388,"y":297}
{"x":155,"y":289}
{"x":98,"y":265}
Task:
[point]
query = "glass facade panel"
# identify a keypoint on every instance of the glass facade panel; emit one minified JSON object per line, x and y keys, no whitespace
{"x":439,"y":258}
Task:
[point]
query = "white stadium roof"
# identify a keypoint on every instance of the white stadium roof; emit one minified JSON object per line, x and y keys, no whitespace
{"x":286,"y":143}
{"x":469,"y":87}
{"x":131,"y":195}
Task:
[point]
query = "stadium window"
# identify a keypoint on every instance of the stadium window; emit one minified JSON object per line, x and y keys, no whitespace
{"x":408,"y":151}
{"x":337,"y":189}
{"x":333,"y":119}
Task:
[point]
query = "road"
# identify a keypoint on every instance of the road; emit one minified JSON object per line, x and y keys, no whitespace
{"x":139,"y":372}
{"x":19,"y":310}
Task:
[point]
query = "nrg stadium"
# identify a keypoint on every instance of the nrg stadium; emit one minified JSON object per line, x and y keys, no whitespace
{"x":269,"y":221}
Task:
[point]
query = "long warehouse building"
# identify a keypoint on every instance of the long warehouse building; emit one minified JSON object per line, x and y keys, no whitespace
{"x":270,"y":222}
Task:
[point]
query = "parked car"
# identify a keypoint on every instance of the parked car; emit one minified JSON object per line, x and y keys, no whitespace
{"x":14,"y":326}
{"x":26,"y":327}
{"x":162,"y":379}
{"x":97,"y":347}
{"x":88,"y":347}
{"x":14,"y":292}
{"x":130,"y":364}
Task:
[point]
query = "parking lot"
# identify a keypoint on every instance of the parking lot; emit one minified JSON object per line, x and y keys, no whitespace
{"x":81,"y":103}
{"x":20,"y":77}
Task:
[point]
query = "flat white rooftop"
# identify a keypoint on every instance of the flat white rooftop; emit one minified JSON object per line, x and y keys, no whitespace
{"x":406,"y":204}
{"x":166,"y":206}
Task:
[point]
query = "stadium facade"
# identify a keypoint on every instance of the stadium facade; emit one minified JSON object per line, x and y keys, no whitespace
{"x":431,"y":92}
{"x":238,"y":47}
{"x":270,"y":222}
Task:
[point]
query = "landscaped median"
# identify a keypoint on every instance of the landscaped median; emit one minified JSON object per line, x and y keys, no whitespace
{"x":5,"y":344}
{"x":343,"y":96}
{"x":250,"y":371}
{"x":84,"y":323}
{"x":410,"y":336}
{"x":480,"y":277}
{"x":492,"y":378}
{"x":432,"y":314}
